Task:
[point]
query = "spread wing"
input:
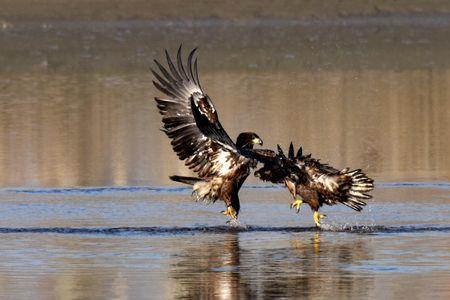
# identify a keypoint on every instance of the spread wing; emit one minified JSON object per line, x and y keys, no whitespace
{"x":322,"y":176}
{"x":347,"y":187}
{"x":191,"y":121}
{"x":261,"y":155}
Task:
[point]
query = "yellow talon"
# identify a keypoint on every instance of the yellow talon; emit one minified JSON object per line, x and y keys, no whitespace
{"x":231,"y":212}
{"x":317,"y":217}
{"x":296,"y":204}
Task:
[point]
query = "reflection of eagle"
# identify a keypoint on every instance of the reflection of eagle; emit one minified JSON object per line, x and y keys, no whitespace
{"x":315,"y":183}
{"x":191,"y":121}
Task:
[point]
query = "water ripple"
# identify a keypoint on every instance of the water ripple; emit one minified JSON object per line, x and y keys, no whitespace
{"x":187,"y":189}
{"x":221,"y":229}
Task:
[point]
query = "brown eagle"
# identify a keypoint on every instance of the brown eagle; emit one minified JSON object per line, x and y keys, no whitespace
{"x":191,"y":121}
{"x":310,"y":181}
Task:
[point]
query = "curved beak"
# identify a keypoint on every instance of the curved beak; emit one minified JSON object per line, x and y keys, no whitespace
{"x":257,"y":141}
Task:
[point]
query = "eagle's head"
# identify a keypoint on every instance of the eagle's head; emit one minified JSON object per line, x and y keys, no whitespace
{"x":246,"y":140}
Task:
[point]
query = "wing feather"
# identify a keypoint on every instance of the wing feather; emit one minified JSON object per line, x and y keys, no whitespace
{"x":347,"y":187}
{"x":180,"y":65}
{"x":172,"y":67}
{"x":196,"y":73}
{"x":198,"y":138}
{"x":191,"y":74}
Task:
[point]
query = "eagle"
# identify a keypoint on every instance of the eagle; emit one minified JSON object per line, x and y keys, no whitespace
{"x":312,"y":182}
{"x":191,"y":121}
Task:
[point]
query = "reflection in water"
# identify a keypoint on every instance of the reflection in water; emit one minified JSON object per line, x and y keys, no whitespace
{"x":327,"y":260}
{"x":313,"y":264}
{"x":128,"y":243}
{"x":76,"y":103}
{"x":211,"y":269}
{"x":60,"y":268}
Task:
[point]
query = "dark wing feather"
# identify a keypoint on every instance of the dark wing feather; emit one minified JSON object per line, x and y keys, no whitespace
{"x":199,"y":139}
{"x":347,"y":187}
{"x":263,"y":154}
{"x":324,"y":178}
{"x":207,"y":120}
{"x":291,"y":152}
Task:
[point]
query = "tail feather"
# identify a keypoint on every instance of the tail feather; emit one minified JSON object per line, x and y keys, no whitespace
{"x":360,"y":185}
{"x":185,"y":179}
{"x":202,"y":190}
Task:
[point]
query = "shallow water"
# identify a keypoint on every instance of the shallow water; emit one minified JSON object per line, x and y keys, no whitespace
{"x":133,"y":242}
{"x":76,"y":111}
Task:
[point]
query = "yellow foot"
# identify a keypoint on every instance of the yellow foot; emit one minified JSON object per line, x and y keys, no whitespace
{"x":231,"y":212}
{"x":296,"y":204}
{"x":317,"y":217}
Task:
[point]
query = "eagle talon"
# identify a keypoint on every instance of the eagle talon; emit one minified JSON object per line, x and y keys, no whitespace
{"x":317,"y":217}
{"x":296,"y":204}
{"x":231,"y":212}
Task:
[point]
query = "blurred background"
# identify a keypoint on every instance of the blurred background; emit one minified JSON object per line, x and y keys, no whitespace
{"x":357,"y":84}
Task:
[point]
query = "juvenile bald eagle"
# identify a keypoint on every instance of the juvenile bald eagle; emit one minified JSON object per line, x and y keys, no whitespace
{"x":315,"y":183}
{"x":191,"y":121}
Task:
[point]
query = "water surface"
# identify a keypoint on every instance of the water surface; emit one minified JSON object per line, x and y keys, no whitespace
{"x":134,"y":242}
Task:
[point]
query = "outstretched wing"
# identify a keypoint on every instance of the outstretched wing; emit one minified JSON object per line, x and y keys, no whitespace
{"x":198,"y":139}
{"x":347,"y":187}
{"x":322,"y":176}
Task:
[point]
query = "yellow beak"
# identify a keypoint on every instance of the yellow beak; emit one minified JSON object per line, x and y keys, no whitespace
{"x":257,"y":141}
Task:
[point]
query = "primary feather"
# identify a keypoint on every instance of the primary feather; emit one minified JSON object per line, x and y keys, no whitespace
{"x":191,"y":121}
